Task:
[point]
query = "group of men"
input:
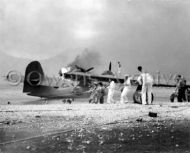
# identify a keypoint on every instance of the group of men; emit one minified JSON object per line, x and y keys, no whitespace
{"x":145,"y":81}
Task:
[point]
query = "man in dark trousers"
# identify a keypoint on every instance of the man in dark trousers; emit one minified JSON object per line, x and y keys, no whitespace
{"x":101,"y":92}
{"x":181,"y":88}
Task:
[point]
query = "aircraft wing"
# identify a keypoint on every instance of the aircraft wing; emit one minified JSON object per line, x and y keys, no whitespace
{"x":103,"y":78}
{"x":107,"y":78}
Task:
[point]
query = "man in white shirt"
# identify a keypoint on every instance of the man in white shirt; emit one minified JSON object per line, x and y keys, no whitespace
{"x":127,"y":86}
{"x":111,"y":89}
{"x":146,"y":80}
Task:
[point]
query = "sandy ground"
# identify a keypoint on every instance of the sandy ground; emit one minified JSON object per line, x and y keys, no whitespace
{"x":30,"y":126}
{"x":95,"y":128}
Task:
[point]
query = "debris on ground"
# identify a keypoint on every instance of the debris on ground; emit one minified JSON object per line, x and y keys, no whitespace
{"x":37,"y":116}
{"x":152,"y":114}
{"x":105,"y":128}
{"x":10,"y":122}
{"x":139,"y":119}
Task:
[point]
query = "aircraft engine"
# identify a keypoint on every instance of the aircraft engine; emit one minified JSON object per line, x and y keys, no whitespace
{"x":34,"y":78}
{"x":14,"y":78}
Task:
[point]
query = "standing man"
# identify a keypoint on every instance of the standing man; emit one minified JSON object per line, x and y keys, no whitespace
{"x":101,"y":93}
{"x":111,"y":89}
{"x":94,"y":94}
{"x":119,"y":69}
{"x":181,"y":88}
{"x":147,"y":81}
{"x":124,"y":94}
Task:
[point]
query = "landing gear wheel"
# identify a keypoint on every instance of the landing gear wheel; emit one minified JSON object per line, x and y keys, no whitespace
{"x":69,"y":101}
{"x":137,"y":97}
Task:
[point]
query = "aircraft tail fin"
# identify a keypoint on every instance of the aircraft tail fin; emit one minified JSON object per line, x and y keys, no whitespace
{"x":34,"y":76}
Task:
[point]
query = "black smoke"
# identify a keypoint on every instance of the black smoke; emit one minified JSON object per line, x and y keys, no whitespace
{"x":86,"y":60}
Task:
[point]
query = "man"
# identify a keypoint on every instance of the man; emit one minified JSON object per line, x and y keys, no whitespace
{"x":124,"y":94}
{"x":119,"y":69}
{"x":111,"y":89}
{"x":181,"y":88}
{"x":94,"y":94}
{"x":146,"y":80}
{"x":101,"y":93}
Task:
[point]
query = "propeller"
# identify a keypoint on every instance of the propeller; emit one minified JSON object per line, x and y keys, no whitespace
{"x":84,"y":70}
{"x":89,"y":69}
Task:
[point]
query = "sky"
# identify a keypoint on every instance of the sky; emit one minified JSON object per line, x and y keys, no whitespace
{"x":151,"y":33}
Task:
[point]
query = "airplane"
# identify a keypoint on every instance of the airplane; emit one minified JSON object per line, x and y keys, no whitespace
{"x":35,"y":84}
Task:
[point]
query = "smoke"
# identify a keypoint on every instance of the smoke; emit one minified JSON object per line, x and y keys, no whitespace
{"x":87,"y":59}
{"x":154,"y":34}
